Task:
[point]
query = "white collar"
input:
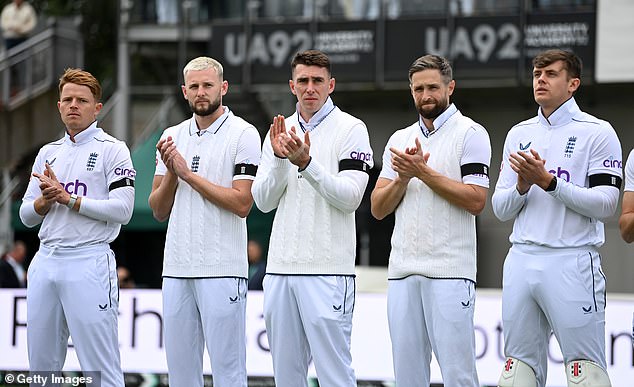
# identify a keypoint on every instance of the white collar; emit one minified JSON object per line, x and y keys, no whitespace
{"x":317,"y":118}
{"x":438,"y":121}
{"x":213,"y":128}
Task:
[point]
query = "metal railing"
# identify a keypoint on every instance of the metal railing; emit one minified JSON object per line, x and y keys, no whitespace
{"x":30,"y":68}
{"x":157,"y":119}
{"x":7,"y":188}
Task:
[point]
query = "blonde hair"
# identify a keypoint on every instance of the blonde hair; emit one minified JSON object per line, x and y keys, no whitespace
{"x":203,"y":63}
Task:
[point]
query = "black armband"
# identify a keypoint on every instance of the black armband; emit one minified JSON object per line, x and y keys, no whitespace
{"x":474,"y":169}
{"x":605,"y":179}
{"x":245,"y":169}
{"x":353,"y":165}
{"x":125,"y":182}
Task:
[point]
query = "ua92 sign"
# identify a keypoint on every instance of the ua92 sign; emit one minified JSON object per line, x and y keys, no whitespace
{"x":268,"y":51}
{"x":485,"y":47}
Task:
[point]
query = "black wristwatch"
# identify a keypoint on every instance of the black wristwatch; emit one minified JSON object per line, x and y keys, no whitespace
{"x":553,"y":184}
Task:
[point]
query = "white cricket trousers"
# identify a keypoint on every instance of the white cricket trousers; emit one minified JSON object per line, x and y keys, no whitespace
{"x":310,"y":318}
{"x":211,"y":311}
{"x":426,"y":314}
{"x":562,"y":290}
{"x":74,"y":291}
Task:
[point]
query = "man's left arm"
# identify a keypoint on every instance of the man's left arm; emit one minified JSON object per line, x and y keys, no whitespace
{"x":469,"y":193}
{"x":600,"y":199}
{"x":344,"y":190}
{"x":237,"y":198}
{"x":119,"y":205}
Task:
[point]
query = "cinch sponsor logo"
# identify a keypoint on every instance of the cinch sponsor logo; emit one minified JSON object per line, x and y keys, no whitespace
{"x":356,"y":155}
{"x":128,"y":172}
{"x":74,"y":188}
{"x":612,"y":163}
{"x":562,"y":173}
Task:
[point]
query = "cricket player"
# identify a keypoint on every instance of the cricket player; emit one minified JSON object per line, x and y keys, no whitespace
{"x":560,"y":177}
{"x":314,"y":171}
{"x":204,"y":171}
{"x":435,"y":177}
{"x":81,"y":192}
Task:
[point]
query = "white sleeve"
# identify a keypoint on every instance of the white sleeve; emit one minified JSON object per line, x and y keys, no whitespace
{"x":271,"y":179}
{"x":5,"y":19}
{"x":31,"y":20}
{"x":248,"y":155}
{"x":601,"y":198}
{"x":28,"y":216}
{"x":120,"y":203}
{"x":476,"y":150}
{"x":507,"y":201}
{"x":161,"y":169}
{"x":629,"y":172}
{"x":387,"y":172}
{"x":116,"y":209}
{"x":345,"y":189}
{"x":597,"y":202}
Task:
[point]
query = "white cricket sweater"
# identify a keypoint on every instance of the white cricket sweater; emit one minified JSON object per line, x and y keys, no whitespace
{"x":433,"y":237}
{"x":311,"y":235}
{"x":204,"y":240}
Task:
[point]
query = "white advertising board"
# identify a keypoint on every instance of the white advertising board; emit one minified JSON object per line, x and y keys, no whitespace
{"x":142,"y":350}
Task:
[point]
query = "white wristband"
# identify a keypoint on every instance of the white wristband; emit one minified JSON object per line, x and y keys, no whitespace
{"x":72,"y":201}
